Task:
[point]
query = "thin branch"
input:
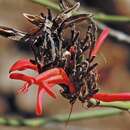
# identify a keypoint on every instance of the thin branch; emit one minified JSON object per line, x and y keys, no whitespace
{"x":123,"y":105}
{"x":49,"y":3}
{"x":101,"y":17}
{"x":60,"y":118}
{"x":112,"y":18}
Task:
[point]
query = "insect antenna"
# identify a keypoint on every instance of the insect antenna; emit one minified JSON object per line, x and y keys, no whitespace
{"x":72,"y":20}
{"x":11,"y":33}
{"x":37,"y":20}
{"x":62,"y":6}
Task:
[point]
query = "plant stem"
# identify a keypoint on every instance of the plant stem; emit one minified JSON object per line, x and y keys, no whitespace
{"x":100,"y":17}
{"x":48,"y":3}
{"x":60,"y":118}
{"x":88,"y":114}
{"x":112,"y":18}
{"x":116,"y":104}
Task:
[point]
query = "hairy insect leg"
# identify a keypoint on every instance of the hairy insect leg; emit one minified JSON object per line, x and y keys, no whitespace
{"x":72,"y":20}
{"x":53,"y":47}
{"x":11,"y":33}
{"x":37,"y":57}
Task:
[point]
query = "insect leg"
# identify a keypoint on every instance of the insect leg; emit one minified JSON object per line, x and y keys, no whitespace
{"x":12,"y":34}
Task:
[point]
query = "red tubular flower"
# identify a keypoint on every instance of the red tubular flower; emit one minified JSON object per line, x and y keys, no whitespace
{"x":23,"y":89}
{"x":39,"y":101}
{"x":112,"y":97}
{"x":55,"y":76}
{"x":47,"y":74}
{"x":47,"y":88}
{"x":23,"y":64}
{"x":100,"y":41}
{"x":40,"y":93}
{"x":23,"y":77}
{"x":29,"y":80}
{"x":43,"y":87}
{"x":45,"y":82}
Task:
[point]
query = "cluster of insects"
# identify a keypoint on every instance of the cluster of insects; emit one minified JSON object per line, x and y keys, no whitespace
{"x":52,"y":50}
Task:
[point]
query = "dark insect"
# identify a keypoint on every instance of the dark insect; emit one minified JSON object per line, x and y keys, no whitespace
{"x":51,"y":50}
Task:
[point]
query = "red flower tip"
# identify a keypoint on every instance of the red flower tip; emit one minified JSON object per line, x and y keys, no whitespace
{"x":23,"y":89}
{"x":45,"y":82}
{"x":39,"y":101}
{"x":100,"y":41}
{"x":112,"y":97}
{"x":23,"y":64}
{"x":41,"y":90}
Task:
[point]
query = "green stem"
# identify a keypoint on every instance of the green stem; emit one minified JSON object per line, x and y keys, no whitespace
{"x":117,"y":104}
{"x":112,"y":18}
{"x":89,"y":114}
{"x":60,"y":118}
{"x":48,"y":3}
{"x":100,"y":17}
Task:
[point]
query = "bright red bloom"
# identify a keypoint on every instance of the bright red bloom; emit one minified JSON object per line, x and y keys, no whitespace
{"x":45,"y":82}
{"x":29,"y":80}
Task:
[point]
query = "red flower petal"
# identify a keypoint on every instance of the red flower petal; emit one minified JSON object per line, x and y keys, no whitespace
{"x":23,"y":64}
{"x":41,"y":91}
{"x":23,"y":89}
{"x":45,"y":82}
{"x":55,"y":80}
{"x":55,"y":76}
{"x":100,"y":41}
{"x":47,"y":89}
{"x":112,"y":97}
{"x":22,"y":77}
{"x":39,"y":101}
{"x":49,"y":73}
{"x":61,"y":78}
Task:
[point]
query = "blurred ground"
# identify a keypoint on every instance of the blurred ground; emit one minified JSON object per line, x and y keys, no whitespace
{"x":114,"y":74}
